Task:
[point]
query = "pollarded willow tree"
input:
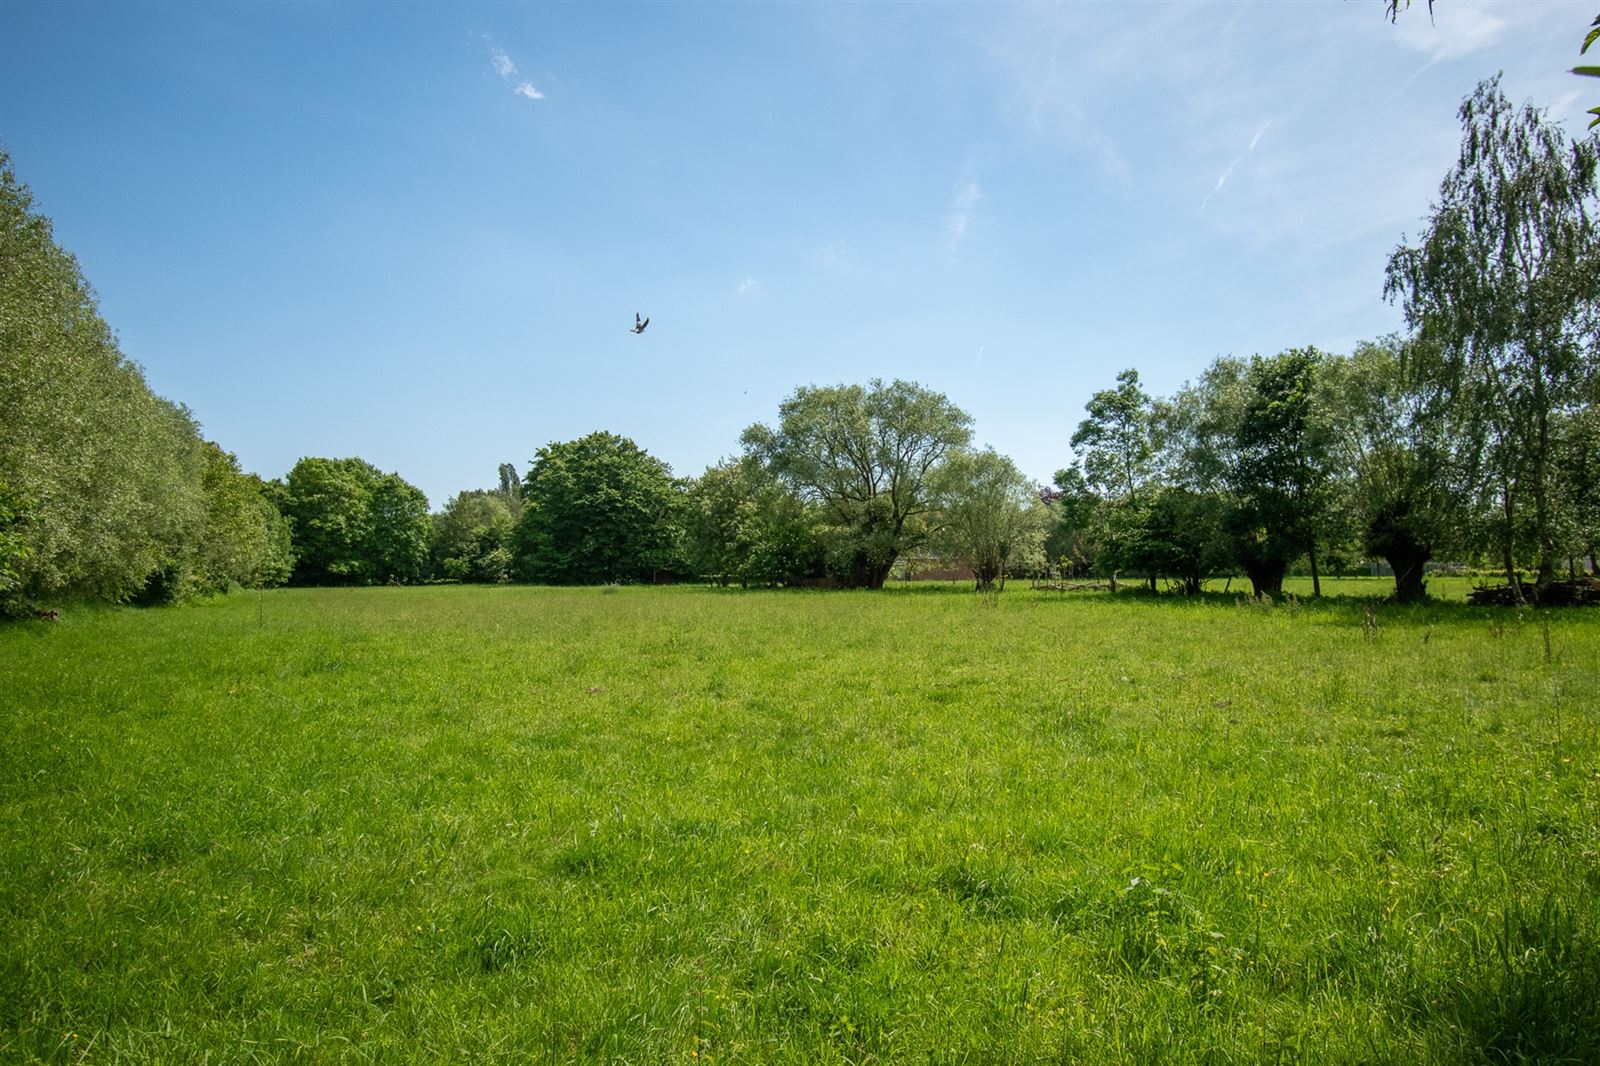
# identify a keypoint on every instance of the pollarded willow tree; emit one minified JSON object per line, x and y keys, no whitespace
{"x":1504,"y":295}
{"x":866,"y":454}
{"x":1396,"y":463}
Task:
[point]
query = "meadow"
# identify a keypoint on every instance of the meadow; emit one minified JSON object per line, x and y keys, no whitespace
{"x":694,"y":825}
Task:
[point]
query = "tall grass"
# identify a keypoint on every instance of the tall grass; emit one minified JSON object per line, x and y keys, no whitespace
{"x":695,"y":825}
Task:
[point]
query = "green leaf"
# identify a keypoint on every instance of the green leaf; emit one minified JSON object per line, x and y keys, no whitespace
{"x":1594,"y":35}
{"x":1588,"y":72}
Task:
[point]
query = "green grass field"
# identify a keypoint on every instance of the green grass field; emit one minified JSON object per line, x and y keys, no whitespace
{"x":694,"y":825}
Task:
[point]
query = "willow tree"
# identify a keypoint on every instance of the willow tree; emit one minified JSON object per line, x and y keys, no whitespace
{"x":1395,"y":460}
{"x":1502,"y":291}
{"x":991,"y":516}
{"x":100,"y":479}
{"x":866,"y":455}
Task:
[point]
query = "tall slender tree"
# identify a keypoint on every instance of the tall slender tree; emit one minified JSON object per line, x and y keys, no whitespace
{"x":1503,"y":292}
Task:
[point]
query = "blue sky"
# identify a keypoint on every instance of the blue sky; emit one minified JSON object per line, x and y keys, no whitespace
{"x":418,"y":234}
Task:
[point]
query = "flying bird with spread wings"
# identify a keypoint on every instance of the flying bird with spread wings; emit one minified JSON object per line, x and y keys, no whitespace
{"x":638,"y":326}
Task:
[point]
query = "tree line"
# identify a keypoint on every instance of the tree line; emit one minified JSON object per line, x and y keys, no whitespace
{"x":1473,"y":437}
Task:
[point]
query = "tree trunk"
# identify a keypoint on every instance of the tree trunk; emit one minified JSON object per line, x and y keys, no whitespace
{"x":1509,"y":511}
{"x":1541,"y":502}
{"x":1316,"y":579}
{"x":1408,"y":567}
{"x":1266,"y":577}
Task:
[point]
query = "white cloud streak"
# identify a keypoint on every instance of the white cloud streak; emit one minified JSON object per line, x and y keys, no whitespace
{"x":1226,"y":174}
{"x":506,"y":68}
{"x":748,"y":284}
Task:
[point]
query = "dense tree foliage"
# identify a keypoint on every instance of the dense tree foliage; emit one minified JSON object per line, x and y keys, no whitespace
{"x":1279,"y":472}
{"x":106,"y":490}
{"x":244,"y":540}
{"x":743,"y":524}
{"x":1178,"y":535}
{"x":991,"y":517}
{"x":472,"y":537}
{"x":597,"y":509}
{"x":1075,"y":539}
{"x":354,"y":524}
{"x":866,"y":455}
{"x":1396,"y":469}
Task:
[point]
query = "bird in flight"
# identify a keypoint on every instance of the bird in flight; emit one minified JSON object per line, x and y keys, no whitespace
{"x":638,"y":326}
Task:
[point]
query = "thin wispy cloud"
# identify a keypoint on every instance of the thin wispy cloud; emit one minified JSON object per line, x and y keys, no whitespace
{"x":1449,"y":34}
{"x":748,"y":284}
{"x":1226,"y":174}
{"x":504,"y":66}
{"x":1071,"y":71}
{"x":963,"y":199}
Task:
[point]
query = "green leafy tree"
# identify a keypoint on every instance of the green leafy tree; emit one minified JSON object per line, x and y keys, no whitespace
{"x":1590,"y":71}
{"x":510,"y":490}
{"x":1197,"y":430}
{"x":1577,"y":461}
{"x":15,"y":514}
{"x":354,"y":524}
{"x":743,"y":524}
{"x":1178,"y":535}
{"x":1076,"y":535}
{"x":105,"y":477}
{"x":244,"y":540}
{"x":991,"y":517}
{"x":1116,"y":454}
{"x":866,"y":456}
{"x":1114,"y":443}
{"x":277,"y":561}
{"x":472,"y":536}
{"x":1391,"y":440}
{"x":1502,"y":292}
{"x":597,"y":509}
{"x":399,"y":531}
{"x":1279,"y":471}
{"x":329,"y":507}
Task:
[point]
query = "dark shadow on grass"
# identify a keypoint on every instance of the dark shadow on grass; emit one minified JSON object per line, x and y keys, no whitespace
{"x":1531,"y":996}
{"x":1362,"y":611}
